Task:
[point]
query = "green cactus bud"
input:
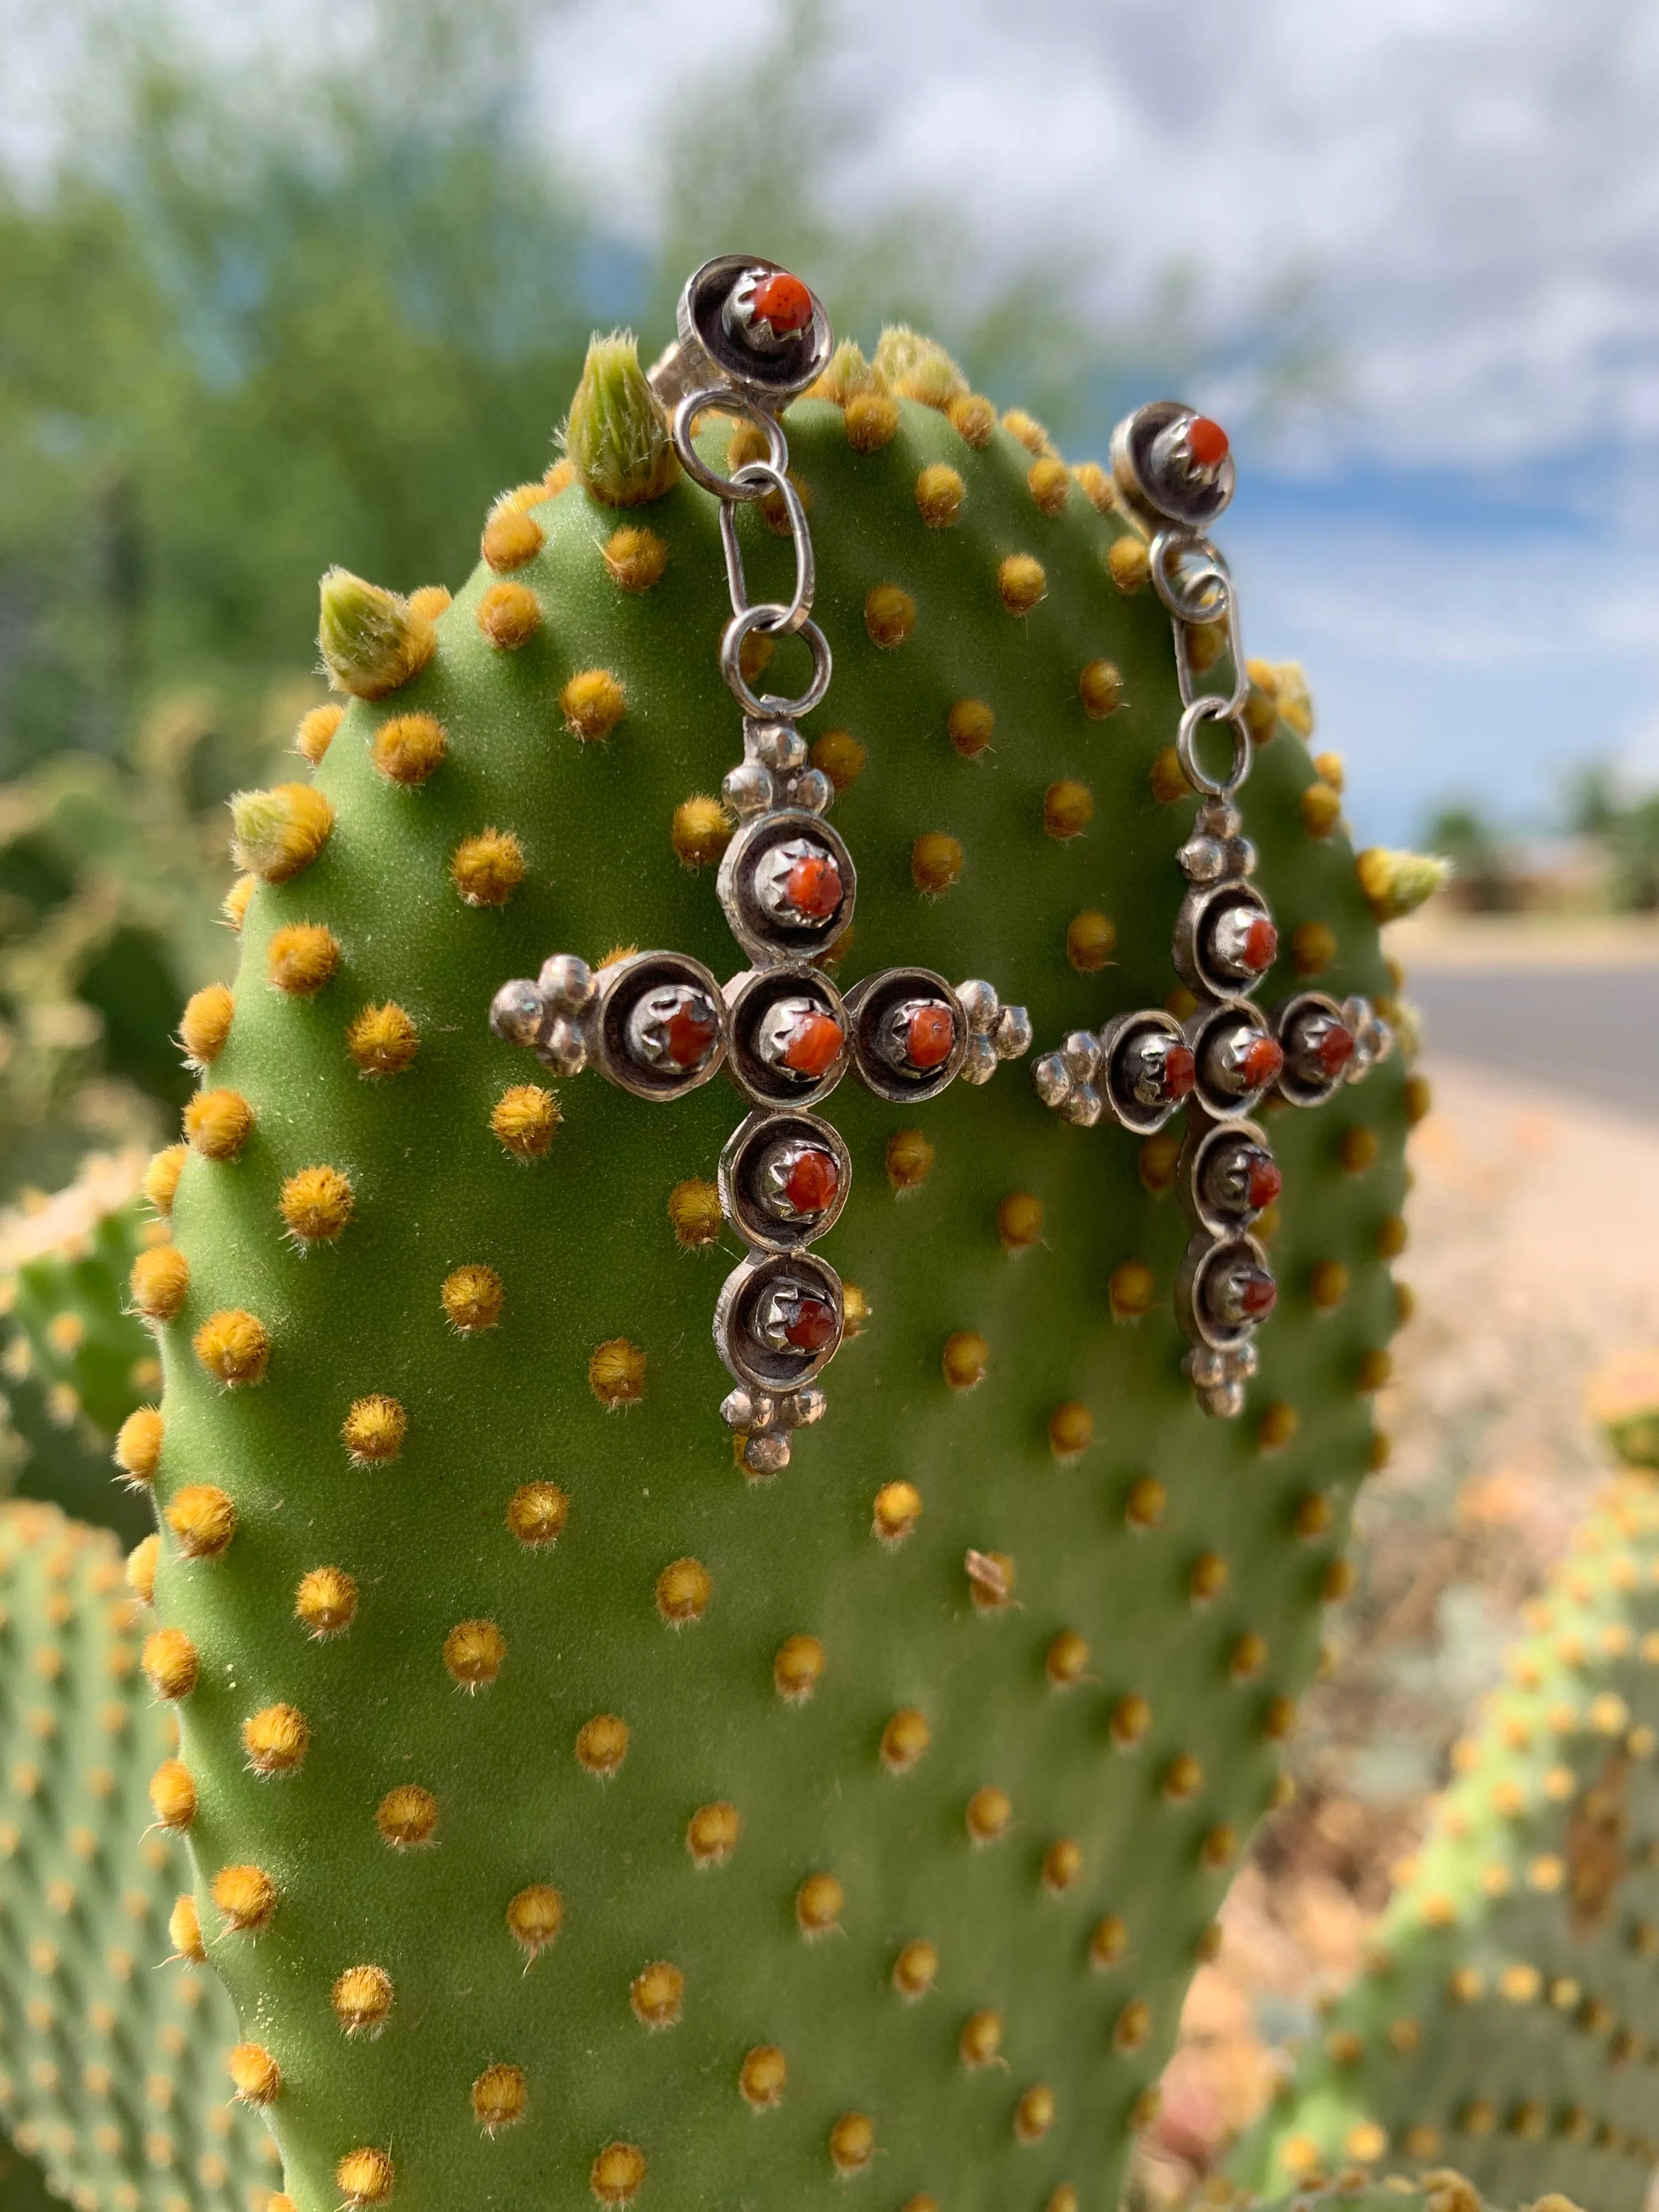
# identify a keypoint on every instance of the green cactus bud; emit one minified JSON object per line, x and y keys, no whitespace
{"x":1397,"y":884}
{"x":641,"y":1828}
{"x":114,"y":2038}
{"x":373,"y":642}
{"x":847,"y":374}
{"x":915,"y":368}
{"x":616,"y":438}
{"x":1510,"y":2012}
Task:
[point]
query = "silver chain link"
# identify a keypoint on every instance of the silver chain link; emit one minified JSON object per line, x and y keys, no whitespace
{"x":770,"y":618}
{"x":1196,"y":585}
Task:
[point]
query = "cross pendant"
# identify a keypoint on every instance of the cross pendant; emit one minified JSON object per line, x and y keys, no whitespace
{"x":658,"y":1023}
{"x":1221,"y":1064}
{"x":1174,"y":467}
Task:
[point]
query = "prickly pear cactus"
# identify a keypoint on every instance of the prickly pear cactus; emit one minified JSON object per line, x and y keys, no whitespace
{"x":1441,"y":2189}
{"x":1510,"y":2017}
{"x":113,"y":2036}
{"x":79,"y":1358}
{"x":577,"y":1817}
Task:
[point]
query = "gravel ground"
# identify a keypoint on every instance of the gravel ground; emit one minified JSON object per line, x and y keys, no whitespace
{"x":1535,"y":1257}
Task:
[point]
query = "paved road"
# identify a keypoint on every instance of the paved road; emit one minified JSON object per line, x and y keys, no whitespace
{"x":1594,"y":1032}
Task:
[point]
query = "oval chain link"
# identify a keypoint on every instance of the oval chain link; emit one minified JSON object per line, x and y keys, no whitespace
{"x":766,"y":617}
{"x":763,"y":473}
{"x":720,"y":400}
{"x":1198,"y":595}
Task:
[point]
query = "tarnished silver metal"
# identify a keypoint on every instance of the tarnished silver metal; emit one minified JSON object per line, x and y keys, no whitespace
{"x":1208,"y":708}
{"x":1228,"y":1175}
{"x":778,"y":1324}
{"x":1373,"y":1037}
{"x":763,"y":474}
{"x":783,"y":843}
{"x":789,"y":1035}
{"x":1174,"y":470}
{"x":722,"y":399}
{"x":718,"y":341}
{"x":784,"y":1179}
{"x":653,"y":1023}
{"x":750,"y":337}
{"x":1157,"y":475}
{"x":766,"y":706}
{"x":1318,"y":1047}
{"x":1224,"y":940}
{"x":910,"y":1034}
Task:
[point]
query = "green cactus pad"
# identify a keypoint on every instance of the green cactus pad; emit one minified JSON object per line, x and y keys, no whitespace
{"x":368,"y":1407}
{"x":1510,"y":2018}
{"x":111,"y":2056}
{"x":79,"y":1360}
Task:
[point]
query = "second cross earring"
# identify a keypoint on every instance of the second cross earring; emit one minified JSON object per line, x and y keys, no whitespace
{"x":657,"y":1025}
{"x":1172,"y":467}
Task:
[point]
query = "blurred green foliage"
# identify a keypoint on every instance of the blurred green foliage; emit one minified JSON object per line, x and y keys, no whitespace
{"x":1626,"y":828}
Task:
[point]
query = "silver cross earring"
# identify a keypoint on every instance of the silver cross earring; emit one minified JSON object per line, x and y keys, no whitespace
{"x":1172,"y":467}
{"x":751,"y":336}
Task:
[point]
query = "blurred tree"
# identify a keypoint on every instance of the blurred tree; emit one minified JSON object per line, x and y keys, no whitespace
{"x":1626,"y":828}
{"x":1483,"y":878}
{"x":1592,"y":800}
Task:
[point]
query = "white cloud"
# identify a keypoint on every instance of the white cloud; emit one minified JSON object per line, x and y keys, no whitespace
{"x":1472,"y":182}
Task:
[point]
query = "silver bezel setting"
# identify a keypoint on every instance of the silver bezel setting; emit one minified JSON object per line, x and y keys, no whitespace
{"x":1199,"y":912}
{"x":740,"y":1166}
{"x":1119,"y":1034}
{"x":1204,"y":1142}
{"x":760,"y":934}
{"x":752,"y":1363}
{"x":1205,"y":1257}
{"x":1204,"y":1033}
{"x":1293,"y":1087}
{"x":1155,"y":491}
{"x":748,"y":999}
{"x":618,"y":989}
{"x":780,"y":373}
{"x":868,"y":1004}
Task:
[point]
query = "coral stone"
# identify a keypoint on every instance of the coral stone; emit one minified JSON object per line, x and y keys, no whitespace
{"x":1266,"y":1180}
{"x":1207,"y":442}
{"x":1260,"y":1062}
{"x":1333,"y":1050}
{"x":1261,"y":946}
{"x":813,"y":886}
{"x":812,"y":1325}
{"x":1258,"y":1294}
{"x":930,"y":1036}
{"x":813,"y":1043}
{"x":813,"y":1181}
{"x":784,"y":302}
{"x":1180,"y":1072}
{"x":690,"y":1031}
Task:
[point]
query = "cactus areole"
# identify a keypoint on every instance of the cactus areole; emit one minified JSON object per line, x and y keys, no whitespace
{"x":591,"y":1799}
